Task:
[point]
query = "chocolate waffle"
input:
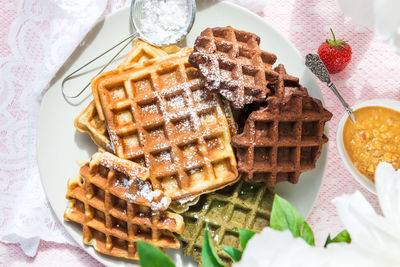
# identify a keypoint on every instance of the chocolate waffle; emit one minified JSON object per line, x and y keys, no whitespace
{"x":242,"y":205}
{"x":234,"y":65}
{"x":284,"y":139}
{"x":286,"y":85}
{"x":116,"y":206}
{"x":162,"y":117}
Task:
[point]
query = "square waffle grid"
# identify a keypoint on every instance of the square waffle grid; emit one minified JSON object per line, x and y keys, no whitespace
{"x":233,"y":63}
{"x":162,"y":117}
{"x":112,"y":224}
{"x":286,"y":84}
{"x":242,"y":205}
{"x":282,"y":141}
{"x":140,"y":54}
{"x":88,"y":121}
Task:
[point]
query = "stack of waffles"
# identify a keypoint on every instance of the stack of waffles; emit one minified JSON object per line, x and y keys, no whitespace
{"x":283,"y":131}
{"x":164,"y":140}
{"x":280,"y":135}
{"x":169,"y":140}
{"x":115,"y":204}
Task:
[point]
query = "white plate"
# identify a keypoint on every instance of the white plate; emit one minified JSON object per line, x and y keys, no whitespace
{"x":387,"y":103}
{"x":59,"y":145}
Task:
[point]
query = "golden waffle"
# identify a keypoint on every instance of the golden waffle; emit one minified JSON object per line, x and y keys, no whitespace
{"x":143,"y":51}
{"x":284,"y":139}
{"x":116,"y":206}
{"x":234,"y":65}
{"x":242,"y":205}
{"x":162,"y":117}
{"x":89,"y":121}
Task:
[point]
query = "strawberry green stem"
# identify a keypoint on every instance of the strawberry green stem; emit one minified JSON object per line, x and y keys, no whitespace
{"x":334,"y":39}
{"x":334,"y":42}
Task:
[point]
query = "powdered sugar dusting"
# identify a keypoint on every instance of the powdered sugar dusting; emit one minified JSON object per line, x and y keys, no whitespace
{"x":137,"y":189}
{"x":156,"y":199}
{"x":125,"y":183}
{"x":185,"y":200}
{"x":134,"y":171}
{"x":165,"y":156}
{"x":162,"y":21}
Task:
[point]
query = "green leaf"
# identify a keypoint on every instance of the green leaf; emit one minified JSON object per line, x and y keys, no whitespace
{"x":307,"y":234}
{"x":343,"y":236}
{"x":150,"y":256}
{"x":244,"y":236}
{"x":209,"y":256}
{"x":285,"y":217}
{"x":234,"y":253}
{"x":328,"y":241}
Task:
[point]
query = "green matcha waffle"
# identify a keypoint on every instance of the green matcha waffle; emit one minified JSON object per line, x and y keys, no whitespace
{"x":242,"y":205}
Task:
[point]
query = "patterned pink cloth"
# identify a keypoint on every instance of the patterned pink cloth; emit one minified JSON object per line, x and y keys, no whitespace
{"x":373,"y":73}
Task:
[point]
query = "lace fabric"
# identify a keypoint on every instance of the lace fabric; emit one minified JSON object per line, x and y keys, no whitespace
{"x":41,"y":37}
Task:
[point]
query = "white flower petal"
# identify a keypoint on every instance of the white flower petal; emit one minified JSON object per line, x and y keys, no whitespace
{"x":371,"y":232}
{"x":275,"y":249}
{"x":387,"y":182}
{"x":375,"y":239}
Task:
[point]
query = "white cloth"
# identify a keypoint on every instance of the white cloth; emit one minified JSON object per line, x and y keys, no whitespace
{"x":42,"y":36}
{"x":382,"y":16}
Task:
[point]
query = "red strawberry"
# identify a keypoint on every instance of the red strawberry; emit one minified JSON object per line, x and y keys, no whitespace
{"x":335,"y":54}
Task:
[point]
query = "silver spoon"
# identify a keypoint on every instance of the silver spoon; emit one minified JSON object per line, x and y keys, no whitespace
{"x":154,"y":30}
{"x":315,"y":64}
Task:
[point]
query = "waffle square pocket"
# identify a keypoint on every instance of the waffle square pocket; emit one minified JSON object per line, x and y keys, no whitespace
{"x":116,"y":206}
{"x":284,"y":139}
{"x":165,"y":121}
{"x":233,"y":64}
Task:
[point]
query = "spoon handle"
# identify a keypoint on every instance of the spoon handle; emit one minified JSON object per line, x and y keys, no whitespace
{"x":344,"y":103}
{"x":315,"y":64}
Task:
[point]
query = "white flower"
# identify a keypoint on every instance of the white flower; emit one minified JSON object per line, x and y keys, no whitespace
{"x":375,"y":238}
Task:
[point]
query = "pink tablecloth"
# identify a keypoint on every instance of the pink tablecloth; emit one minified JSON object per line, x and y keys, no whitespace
{"x":373,"y":73}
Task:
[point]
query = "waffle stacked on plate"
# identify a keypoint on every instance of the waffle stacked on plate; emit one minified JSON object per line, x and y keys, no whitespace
{"x":155,"y":115}
{"x":116,"y":206}
{"x":242,"y":205}
{"x":234,"y":65}
{"x":284,"y":139}
{"x":162,"y":117}
{"x":165,"y":118}
{"x":283,"y":129}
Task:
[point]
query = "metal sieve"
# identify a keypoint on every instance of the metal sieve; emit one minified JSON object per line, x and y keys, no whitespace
{"x":150,"y":23}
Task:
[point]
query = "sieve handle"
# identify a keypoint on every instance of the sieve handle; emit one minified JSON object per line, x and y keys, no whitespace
{"x":133,"y":36}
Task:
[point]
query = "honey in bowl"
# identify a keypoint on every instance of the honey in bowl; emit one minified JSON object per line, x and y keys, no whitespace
{"x":374,"y":138}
